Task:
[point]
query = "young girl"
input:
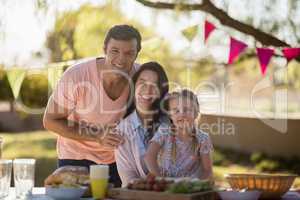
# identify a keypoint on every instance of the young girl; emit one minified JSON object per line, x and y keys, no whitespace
{"x":179,"y":149}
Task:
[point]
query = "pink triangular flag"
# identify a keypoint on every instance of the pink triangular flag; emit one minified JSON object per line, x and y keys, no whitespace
{"x":208,"y":29}
{"x":264,"y":56}
{"x":236,"y":47}
{"x":291,"y":53}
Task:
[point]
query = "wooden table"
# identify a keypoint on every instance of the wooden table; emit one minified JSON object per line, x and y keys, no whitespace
{"x":39,"y":194}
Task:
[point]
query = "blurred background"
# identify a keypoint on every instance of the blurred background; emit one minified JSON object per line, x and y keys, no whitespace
{"x":253,"y":119}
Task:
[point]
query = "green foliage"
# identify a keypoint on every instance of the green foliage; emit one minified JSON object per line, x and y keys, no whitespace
{"x":260,"y":161}
{"x":80,"y":33}
{"x":256,"y":157}
{"x":219,"y":158}
{"x":268,"y":165}
{"x":185,"y":186}
{"x":34,"y":91}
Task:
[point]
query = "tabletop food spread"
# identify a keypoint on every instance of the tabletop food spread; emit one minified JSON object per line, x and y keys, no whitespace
{"x":71,"y":183}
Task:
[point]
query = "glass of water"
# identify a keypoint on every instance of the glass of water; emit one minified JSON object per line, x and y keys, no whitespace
{"x":5,"y":176}
{"x":24,"y":170}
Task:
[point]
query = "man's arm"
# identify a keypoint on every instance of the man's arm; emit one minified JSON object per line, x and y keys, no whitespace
{"x":55,"y":119}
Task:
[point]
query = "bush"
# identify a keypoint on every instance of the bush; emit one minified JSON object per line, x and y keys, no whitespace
{"x":34,"y":91}
{"x":220,"y":159}
{"x":259,"y":160}
{"x":256,"y":157}
{"x":268,"y":165}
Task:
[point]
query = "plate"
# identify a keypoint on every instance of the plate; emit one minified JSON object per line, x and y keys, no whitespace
{"x":240,"y":195}
{"x":62,"y":193}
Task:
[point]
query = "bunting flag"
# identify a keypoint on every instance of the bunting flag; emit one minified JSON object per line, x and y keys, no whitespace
{"x":264,"y":56}
{"x":291,"y":53}
{"x":54,"y":74}
{"x":236,"y":48}
{"x":190,"y":32}
{"x":15,"y":78}
{"x":208,"y":29}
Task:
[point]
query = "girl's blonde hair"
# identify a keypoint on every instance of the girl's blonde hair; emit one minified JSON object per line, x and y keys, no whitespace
{"x":179,"y":94}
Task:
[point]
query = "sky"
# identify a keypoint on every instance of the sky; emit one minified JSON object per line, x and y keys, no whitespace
{"x":26,"y":28}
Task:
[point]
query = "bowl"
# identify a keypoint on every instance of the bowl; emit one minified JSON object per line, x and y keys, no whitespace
{"x":272,"y":185}
{"x":239,"y":195}
{"x":61,"y":193}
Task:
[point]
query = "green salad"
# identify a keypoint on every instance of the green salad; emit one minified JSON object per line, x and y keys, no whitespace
{"x":185,"y":186}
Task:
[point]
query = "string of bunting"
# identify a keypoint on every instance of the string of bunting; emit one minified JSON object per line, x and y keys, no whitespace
{"x":54,"y":72}
{"x":16,"y":75}
{"x":237,"y":47}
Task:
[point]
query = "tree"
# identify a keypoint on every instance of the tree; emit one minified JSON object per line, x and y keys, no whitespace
{"x":267,"y":30}
{"x":80,"y":33}
{"x":225,"y":19}
{"x":75,"y":37}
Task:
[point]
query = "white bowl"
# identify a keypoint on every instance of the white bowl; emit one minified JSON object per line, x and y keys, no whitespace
{"x":239,"y":195}
{"x":65,"y":193}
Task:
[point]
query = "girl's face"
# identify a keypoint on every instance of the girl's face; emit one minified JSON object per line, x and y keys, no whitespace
{"x":146,"y":91}
{"x":183,"y":111}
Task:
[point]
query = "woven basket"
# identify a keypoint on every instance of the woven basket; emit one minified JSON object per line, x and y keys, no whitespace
{"x":271,"y":185}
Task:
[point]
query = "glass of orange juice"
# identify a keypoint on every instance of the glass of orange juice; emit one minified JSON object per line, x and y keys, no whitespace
{"x":99,"y":175}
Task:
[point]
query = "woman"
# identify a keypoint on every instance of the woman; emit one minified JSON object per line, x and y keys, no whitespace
{"x":150,"y":85}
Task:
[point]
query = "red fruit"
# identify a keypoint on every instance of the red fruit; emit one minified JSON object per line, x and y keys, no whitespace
{"x":150,"y":177}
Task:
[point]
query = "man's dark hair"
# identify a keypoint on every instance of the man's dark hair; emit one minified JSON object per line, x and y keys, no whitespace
{"x":123,"y":32}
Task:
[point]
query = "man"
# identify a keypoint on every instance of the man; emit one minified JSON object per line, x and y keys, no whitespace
{"x":90,"y":97}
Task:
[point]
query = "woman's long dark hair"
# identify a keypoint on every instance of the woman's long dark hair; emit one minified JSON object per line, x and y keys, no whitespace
{"x":163,"y":86}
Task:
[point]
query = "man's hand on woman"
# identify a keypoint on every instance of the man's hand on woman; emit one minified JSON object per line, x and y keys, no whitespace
{"x":110,"y":137}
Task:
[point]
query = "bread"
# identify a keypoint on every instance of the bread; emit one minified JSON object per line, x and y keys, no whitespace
{"x":68,"y":176}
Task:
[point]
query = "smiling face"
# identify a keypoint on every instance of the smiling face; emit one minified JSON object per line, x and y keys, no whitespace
{"x":146,"y":91}
{"x":183,"y":111}
{"x":120,"y":55}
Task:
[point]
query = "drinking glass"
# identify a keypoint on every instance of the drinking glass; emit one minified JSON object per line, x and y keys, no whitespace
{"x":24,"y":170}
{"x":99,"y":175}
{"x":5,"y":176}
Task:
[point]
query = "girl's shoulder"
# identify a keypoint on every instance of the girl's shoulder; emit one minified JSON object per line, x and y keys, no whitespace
{"x":201,"y":135}
{"x":206,"y":145}
{"x":162,"y":134}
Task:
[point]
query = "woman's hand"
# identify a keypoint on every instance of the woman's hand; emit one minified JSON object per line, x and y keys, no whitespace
{"x":206,"y":162}
{"x":151,"y":158}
